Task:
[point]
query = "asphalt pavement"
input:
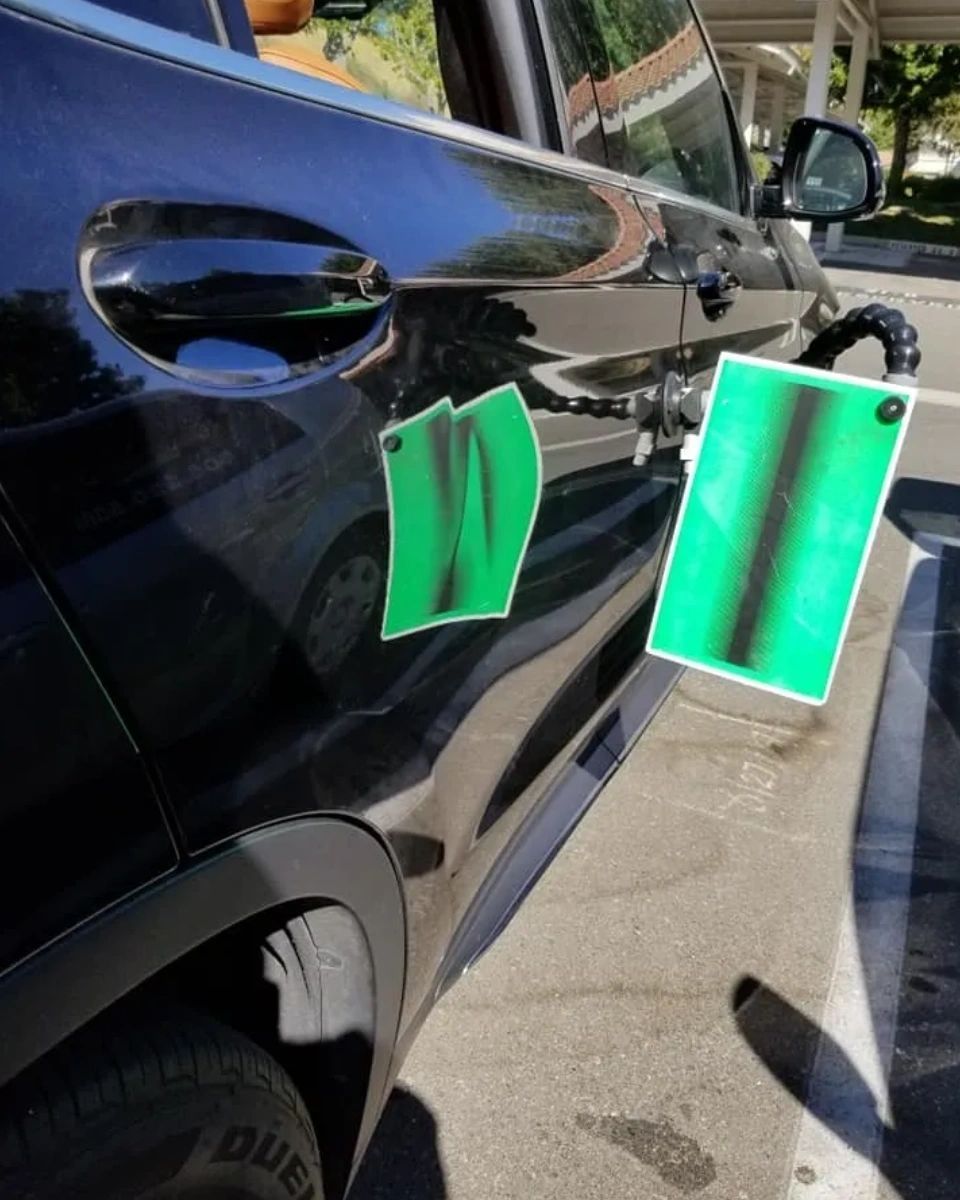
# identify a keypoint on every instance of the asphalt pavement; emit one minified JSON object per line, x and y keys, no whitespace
{"x":740,"y":978}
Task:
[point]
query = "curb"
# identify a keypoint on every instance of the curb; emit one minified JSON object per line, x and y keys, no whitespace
{"x":923,"y":249}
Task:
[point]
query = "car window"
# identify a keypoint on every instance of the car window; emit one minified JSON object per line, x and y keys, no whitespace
{"x":660,"y":103}
{"x":428,"y":54}
{"x":581,"y":113}
{"x":391,"y":51}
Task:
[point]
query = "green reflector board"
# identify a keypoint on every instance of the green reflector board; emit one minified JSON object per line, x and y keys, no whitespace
{"x":463,"y":489}
{"x":776,"y":524}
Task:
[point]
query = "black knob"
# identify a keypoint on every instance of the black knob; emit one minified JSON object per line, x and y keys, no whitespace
{"x":890,"y":411}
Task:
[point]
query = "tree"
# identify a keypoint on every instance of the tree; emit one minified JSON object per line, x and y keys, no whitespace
{"x":909,"y":81}
{"x":48,"y":369}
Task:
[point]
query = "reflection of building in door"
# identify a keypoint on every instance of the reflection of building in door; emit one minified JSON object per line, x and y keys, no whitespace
{"x":641,"y":90}
{"x":576,"y":376}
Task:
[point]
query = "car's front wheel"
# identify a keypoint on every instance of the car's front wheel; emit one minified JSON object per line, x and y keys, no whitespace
{"x":171,"y":1107}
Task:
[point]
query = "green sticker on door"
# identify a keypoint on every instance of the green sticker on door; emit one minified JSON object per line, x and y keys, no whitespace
{"x":776,"y":524}
{"x":463,"y":488}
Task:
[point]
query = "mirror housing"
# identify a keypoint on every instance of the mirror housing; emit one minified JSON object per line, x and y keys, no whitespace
{"x":831,"y":172}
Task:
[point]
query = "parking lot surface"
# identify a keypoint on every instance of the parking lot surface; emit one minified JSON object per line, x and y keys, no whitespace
{"x":739,"y":978}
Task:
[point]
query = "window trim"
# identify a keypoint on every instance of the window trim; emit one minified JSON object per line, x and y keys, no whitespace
{"x":217,"y":22}
{"x":518,"y":71}
{"x":236,"y":25}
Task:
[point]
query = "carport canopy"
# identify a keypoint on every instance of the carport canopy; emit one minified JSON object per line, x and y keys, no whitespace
{"x":738,"y":27}
{"x":747,"y":22}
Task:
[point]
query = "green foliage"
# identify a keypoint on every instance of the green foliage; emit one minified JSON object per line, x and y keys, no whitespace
{"x":942,"y":127}
{"x":912,"y":78}
{"x":909,"y":82}
{"x":42,"y":350}
{"x":879,"y":125}
{"x":761,"y":164}
{"x":918,"y":221}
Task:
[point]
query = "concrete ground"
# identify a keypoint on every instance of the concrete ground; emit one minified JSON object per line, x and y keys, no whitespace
{"x":721,"y":988}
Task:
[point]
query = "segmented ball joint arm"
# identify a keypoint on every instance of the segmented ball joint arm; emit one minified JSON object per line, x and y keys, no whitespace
{"x":680,"y":409}
{"x":899,"y":339}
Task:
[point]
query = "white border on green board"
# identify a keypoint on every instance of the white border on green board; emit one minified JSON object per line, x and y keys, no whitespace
{"x":397,"y":430}
{"x":821,"y":376}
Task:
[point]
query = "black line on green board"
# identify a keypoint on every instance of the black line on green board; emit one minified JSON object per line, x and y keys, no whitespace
{"x":809,"y":401}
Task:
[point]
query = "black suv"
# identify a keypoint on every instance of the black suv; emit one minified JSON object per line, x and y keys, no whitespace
{"x":293,"y":723}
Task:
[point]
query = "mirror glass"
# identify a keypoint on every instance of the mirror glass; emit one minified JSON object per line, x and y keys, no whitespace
{"x":832,"y":175}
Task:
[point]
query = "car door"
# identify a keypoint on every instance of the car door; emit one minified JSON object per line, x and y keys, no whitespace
{"x":80,"y":822}
{"x":667,"y":124}
{"x":247,"y":279}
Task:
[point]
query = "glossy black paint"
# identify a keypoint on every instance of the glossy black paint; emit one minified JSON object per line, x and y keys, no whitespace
{"x":189,"y":434}
{"x":201,"y":302}
{"x":81,"y":825}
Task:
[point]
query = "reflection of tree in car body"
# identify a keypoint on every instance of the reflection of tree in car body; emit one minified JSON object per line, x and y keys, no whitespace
{"x":41,"y":349}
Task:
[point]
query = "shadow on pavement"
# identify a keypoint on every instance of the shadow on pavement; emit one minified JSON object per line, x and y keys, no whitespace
{"x":403,"y":1160}
{"x":918,"y":1144}
{"x":919,"y":1160}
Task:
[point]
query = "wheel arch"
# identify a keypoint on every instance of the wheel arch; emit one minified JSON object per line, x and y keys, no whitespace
{"x":314,"y":876}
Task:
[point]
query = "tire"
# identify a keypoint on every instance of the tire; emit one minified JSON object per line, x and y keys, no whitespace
{"x":171,"y":1107}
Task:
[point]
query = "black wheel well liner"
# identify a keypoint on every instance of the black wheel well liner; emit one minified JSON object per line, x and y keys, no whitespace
{"x":295,"y":871}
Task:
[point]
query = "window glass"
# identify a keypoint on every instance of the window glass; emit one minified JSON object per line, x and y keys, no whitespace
{"x":392,"y":51}
{"x":660,"y":101}
{"x":582,"y":116}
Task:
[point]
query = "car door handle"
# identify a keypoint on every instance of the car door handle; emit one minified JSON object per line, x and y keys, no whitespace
{"x":235,"y":310}
{"x":223,"y":281}
{"x":718,"y":291}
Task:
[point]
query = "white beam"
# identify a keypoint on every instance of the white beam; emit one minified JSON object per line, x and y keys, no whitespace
{"x":777,"y":114}
{"x":857,"y":75}
{"x":748,"y":101}
{"x":852,"y":103}
{"x":875,"y":37}
{"x":818,"y":81}
{"x":824,"y":37}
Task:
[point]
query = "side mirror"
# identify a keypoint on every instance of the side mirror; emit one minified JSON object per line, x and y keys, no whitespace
{"x":831,"y":172}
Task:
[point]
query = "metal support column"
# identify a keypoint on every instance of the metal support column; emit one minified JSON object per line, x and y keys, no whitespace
{"x":824,"y":36}
{"x":818,"y":81}
{"x":777,"y":113}
{"x":853,"y":101}
{"x":748,"y":101}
